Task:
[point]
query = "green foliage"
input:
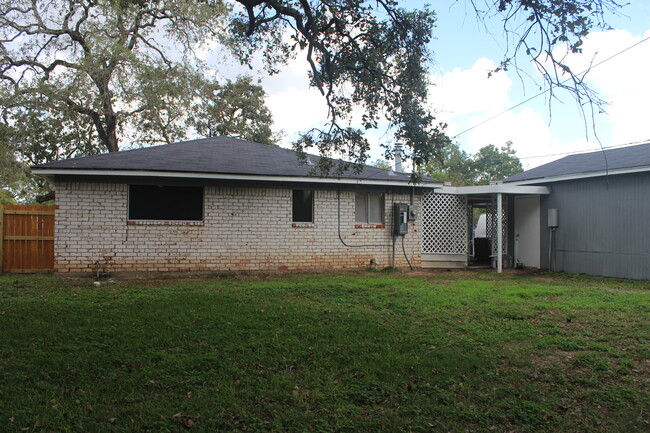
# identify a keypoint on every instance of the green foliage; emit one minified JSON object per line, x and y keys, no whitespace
{"x":454,"y":167}
{"x":102,"y":67}
{"x":15,"y":182}
{"x":356,"y":353}
{"x":11,"y":171}
{"x":41,"y":135}
{"x":171,"y":94}
{"x":102,"y":70}
{"x":372,"y":57}
{"x":489,"y":164}
{"x":34,"y":136}
{"x":381,"y":163}
{"x":7,"y":197}
{"x":364,"y":55}
{"x":82,"y":76}
{"x":235,"y":109}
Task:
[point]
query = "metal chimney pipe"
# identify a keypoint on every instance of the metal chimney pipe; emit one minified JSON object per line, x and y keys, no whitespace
{"x":397,"y":152}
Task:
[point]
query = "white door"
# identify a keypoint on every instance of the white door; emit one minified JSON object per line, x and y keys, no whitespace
{"x":527,"y":231}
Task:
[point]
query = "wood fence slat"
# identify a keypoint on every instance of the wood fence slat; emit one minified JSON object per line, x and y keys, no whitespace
{"x":28,"y":212}
{"x":29,"y":238}
{"x":26,"y":238}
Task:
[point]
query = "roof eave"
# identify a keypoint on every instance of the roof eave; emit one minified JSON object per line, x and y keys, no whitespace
{"x":577,"y":176}
{"x":497,"y":188}
{"x":51,"y":172}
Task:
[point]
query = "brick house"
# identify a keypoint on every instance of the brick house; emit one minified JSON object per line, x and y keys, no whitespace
{"x":223,"y":204}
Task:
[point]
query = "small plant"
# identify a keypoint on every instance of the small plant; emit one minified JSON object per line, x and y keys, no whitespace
{"x":101,"y":268}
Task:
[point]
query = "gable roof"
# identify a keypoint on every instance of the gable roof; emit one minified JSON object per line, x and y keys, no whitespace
{"x":622,"y":160}
{"x":215,"y":157}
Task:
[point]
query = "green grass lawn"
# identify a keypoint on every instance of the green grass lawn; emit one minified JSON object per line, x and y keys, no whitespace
{"x":367,"y":352}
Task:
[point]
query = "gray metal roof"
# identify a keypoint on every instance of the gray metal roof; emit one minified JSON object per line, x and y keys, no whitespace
{"x":215,"y":155}
{"x":617,"y":159}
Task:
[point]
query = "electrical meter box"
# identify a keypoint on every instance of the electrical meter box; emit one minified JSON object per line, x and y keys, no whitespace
{"x":413,"y":213}
{"x":400,"y":218}
{"x":553,"y":220}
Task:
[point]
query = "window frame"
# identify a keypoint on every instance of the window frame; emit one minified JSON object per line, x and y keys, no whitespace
{"x":366,"y":196}
{"x":137,"y":220}
{"x":294,"y":204}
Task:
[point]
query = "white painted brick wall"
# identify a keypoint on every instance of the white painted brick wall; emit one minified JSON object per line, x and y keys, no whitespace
{"x":243,"y":229}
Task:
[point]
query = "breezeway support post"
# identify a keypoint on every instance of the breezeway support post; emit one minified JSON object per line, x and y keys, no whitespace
{"x":499,"y":233}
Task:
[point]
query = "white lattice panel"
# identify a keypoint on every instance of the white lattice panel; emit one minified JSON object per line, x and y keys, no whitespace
{"x":470,"y":227}
{"x":444,"y":223}
{"x":491,"y":225}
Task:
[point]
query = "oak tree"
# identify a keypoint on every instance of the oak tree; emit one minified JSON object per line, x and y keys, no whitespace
{"x":234,"y":109}
{"x":105,"y":61}
{"x":110,"y":62}
{"x":369,"y":59}
{"x":489,"y":164}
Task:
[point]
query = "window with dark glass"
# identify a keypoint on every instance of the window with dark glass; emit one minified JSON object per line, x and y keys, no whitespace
{"x":165,"y":203}
{"x":369,"y":207}
{"x":303,"y":206}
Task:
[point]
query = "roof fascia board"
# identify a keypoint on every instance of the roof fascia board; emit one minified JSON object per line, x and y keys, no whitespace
{"x":217,"y":176}
{"x":578,"y":176}
{"x":499,"y":188}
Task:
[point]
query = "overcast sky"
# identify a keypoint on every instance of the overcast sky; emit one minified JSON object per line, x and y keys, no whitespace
{"x":464,"y":96}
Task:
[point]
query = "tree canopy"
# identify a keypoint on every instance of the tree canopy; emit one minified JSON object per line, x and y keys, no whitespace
{"x":79,"y":77}
{"x":369,"y":60}
{"x":489,"y":164}
{"x":371,"y":56}
{"x":13,"y":174}
{"x":235,"y":109}
{"x":103,"y":60}
{"x":111,"y":71}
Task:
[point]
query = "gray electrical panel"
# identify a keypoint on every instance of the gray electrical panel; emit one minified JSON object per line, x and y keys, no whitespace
{"x":400,"y":218}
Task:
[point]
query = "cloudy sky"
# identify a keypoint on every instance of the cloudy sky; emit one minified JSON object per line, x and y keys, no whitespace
{"x":464,"y":96}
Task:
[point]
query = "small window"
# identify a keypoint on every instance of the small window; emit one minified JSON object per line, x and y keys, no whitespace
{"x":165,"y":203}
{"x":369,"y":207}
{"x":303,"y":206}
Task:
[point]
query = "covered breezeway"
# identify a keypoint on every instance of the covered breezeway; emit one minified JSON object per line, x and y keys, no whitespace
{"x":448,"y":219}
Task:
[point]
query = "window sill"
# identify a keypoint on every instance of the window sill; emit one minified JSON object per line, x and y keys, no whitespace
{"x":370,"y":226}
{"x":164,"y":223}
{"x":303,"y":225}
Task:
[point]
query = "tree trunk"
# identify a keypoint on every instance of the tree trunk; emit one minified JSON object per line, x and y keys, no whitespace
{"x":111,"y":140}
{"x":110,"y":119}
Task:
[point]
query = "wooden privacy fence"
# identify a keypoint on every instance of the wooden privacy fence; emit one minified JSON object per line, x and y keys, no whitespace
{"x":26,"y":238}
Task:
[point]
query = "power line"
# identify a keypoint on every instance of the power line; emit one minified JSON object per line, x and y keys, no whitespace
{"x":549,"y":89}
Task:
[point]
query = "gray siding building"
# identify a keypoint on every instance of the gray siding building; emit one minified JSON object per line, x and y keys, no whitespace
{"x":603,"y":212}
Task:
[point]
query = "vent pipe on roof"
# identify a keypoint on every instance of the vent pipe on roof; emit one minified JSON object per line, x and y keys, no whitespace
{"x":397,"y":152}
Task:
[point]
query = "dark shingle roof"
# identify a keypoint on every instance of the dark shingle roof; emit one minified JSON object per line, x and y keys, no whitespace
{"x":617,"y":159}
{"x":215,"y":155}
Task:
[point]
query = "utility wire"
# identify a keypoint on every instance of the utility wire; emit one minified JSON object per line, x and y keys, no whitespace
{"x":549,"y":89}
{"x":371,"y":175}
